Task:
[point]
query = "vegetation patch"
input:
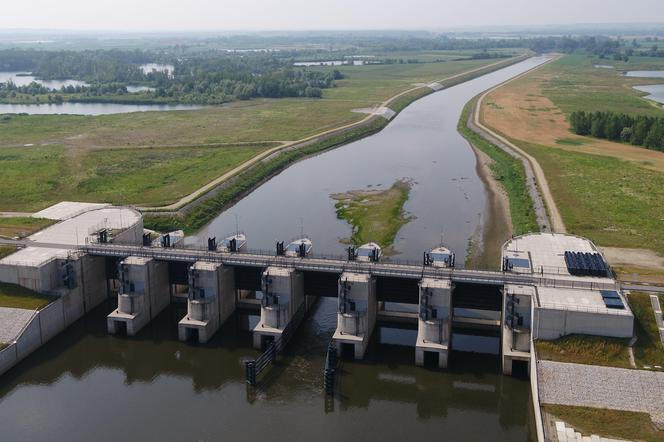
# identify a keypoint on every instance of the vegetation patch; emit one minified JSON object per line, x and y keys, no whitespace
{"x":15,"y":296}
{"x":509,"y":172}
{"x":626,"y":425}
{"x":21,"y":227}
{"x":582,"y":349}
{"x":648,"y":349}
{"x":6,"y":251}
{"x":376,"y":215}
{"x":570,"y":142}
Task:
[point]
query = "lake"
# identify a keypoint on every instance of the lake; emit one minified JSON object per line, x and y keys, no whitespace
{"x":655,"y":92}
{"x":645,"y":74}
{"x":23,"y":79}
{"x":90,"y":108}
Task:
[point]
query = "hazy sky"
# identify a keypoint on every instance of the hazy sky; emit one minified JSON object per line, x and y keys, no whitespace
{"x":150,"y":15}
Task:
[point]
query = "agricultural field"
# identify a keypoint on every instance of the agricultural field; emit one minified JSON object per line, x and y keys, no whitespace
{"x":93,"y":158}
{"x":608,"y":191}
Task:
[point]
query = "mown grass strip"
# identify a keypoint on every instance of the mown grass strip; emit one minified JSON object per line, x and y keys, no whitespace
{"x":15,"y":296}
{"x":627,"y":425}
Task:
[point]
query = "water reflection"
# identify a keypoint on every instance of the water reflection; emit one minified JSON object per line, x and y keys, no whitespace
{"x":112,"y":388}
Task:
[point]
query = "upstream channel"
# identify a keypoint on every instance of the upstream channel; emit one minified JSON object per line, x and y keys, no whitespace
{"x":86,"y":385}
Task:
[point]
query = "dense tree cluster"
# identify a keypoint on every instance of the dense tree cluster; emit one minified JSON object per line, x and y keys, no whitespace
{"x":209,"y":77}
{"x":640,"y":130}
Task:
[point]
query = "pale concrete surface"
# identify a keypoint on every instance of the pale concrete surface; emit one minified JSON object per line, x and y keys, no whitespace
{"x":602,"y":387}
{"x":566,"y":433}
{"x":380,"y":111}
{"x":12,"y":321}
{"x":67,"y":209}
{"x":76,"y":230}
{"x":657,"y":308}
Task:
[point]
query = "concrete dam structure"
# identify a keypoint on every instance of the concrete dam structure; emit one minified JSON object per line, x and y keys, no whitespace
{"x":550,"y":285}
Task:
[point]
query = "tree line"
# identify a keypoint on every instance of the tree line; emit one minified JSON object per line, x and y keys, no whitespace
{"x":639,"y":131}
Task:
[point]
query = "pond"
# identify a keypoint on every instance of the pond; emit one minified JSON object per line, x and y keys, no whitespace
{"x":655,"y":92}
{"x":645,"y":74}
{"x":24,"y":79}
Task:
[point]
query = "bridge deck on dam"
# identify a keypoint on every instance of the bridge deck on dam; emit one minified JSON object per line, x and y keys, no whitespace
{"x":338,"y":266}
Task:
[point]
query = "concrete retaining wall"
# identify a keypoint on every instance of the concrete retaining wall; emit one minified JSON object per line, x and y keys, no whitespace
{"x":553,"y":324}
{"x":534,"y":391}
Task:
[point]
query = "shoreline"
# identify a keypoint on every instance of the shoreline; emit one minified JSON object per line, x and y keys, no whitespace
{"x":496,"y":223}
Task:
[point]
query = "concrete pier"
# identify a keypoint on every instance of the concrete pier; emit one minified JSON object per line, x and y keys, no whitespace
{"x":434,"y":320}
{"x":516,"y":330}
{"x":283,"y":294}
{"x":144,"y":293}
{"x":356,"y":316}
{"x":211,"y":301}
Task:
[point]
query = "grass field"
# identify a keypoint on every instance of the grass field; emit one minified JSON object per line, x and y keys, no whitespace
{"x":612,"y":352}
{"x":613,"y":202}
{"x":80,"y":158}
{"x":37,"y":177}
{"x":593,"y":350}
{"x":375,"y":215}
{"x":648,"y":349}
{"x":15,"y":296}
{"x":6,"y":251}
{"x":21,"y":226}
{"x":626,"y":425}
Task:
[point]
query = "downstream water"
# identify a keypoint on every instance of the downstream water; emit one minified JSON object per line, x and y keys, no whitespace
{"x":422,"y":144}
{"x":86,"y":385}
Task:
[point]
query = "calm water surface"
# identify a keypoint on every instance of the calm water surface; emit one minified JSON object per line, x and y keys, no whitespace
{"x":655,"y":92}
{"x":421,"y":144}
{"x":21,"y":79}
{"x":645,"y":74}
{"x":85,"y":385}
{"x":90,"y":108}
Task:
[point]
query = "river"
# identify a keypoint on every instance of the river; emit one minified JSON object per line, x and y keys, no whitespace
{"x":86,"y":385}
{"x":422,"y":144}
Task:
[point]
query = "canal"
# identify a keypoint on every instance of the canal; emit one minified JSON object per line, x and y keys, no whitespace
{"x":86,"y":385}
{"x":421,"y":144}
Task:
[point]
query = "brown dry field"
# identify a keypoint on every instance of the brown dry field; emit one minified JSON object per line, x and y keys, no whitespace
{"x":520,"y":111}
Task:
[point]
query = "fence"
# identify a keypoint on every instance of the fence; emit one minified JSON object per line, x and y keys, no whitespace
{"x":254,"y":368}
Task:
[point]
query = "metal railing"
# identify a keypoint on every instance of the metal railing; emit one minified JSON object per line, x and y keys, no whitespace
{"x":339,"y":264}
{"x":329,"y":372}
{"x":253,"y":368}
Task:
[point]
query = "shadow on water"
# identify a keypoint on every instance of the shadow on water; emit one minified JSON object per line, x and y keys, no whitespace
{"x":384,"y":397}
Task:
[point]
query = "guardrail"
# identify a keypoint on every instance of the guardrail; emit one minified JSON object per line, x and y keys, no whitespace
{"x":253,"y":368}
{"x":403,"y":269}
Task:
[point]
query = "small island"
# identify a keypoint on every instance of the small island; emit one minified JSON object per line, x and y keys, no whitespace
{"x":376,"y":215}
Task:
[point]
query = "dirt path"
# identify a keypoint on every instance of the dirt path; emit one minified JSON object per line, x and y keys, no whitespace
{"x":548,"y":216}
{"x":187,"y":200}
